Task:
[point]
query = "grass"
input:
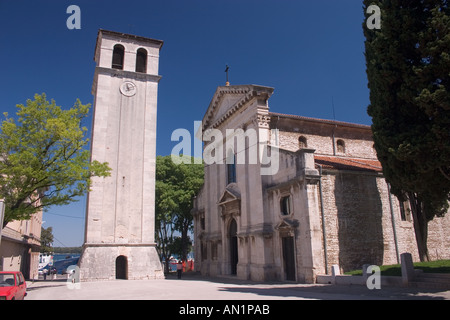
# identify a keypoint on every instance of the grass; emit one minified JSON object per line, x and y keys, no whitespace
{"x":439,"y":266}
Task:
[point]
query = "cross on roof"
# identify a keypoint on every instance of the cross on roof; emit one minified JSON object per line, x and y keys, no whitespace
{"x":226,"y":70}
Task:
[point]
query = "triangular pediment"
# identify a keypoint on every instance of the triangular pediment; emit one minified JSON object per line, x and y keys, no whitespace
{"x":286,"y":224}
{"x":227,"y":100}
{"x":229,"y":195}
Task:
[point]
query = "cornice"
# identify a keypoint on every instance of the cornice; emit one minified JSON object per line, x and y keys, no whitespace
{"x":127,"y":74}
{"x":133,"y":37}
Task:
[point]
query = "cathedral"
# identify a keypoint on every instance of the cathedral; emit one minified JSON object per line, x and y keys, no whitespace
{"x":326,"y":203}
{"x":285,"y":197}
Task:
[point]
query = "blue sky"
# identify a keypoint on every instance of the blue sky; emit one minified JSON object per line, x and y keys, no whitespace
{"x":311,"y":52}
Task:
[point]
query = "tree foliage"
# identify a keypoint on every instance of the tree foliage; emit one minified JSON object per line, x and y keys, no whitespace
{"x":69,"y":250}
{"x":46,"y":239}
{"x":176,"y":186}
{"x":44,"y":159}
{"x":408,"y":68}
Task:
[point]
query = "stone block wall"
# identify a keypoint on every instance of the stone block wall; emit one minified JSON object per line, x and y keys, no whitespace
{"x":323,"y":136}
{"x":360,"y":226}
{"x":354,"y":147}
{"x":353,"y":213}
{"x":439,"y":238}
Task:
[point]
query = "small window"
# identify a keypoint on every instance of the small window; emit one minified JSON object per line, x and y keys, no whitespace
{"x":141,"y":60}
{"x":302,"y":142}
{"x":118,"y":54}
{"x":202,"y":223}
{"x":340,"y":146}
{"x":231,"y":173}
{"x":404,"y":211}
{"x":285,"y":205}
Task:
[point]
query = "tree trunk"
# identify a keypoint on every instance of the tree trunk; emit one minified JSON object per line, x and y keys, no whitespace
{"x":166,"y":256}
{"x":184,"y":243}
{"x":167,"y":266}
{"x":164,"y":240}
{"x":420,"y":226}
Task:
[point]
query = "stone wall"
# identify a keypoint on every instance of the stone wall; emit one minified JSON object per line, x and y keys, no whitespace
{"x":360,"y":226}
{"x":323,"y":145}
{"x":439,"y":238}
{"x":323,"y":136}
{"x":355,"y":220}
{"x":141,"y":262}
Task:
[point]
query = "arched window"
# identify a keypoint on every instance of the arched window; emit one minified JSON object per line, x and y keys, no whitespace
{"x":231,"y":167}
{"x":285,"y":205}
{"x":118,"y":54}
{"x":141,"y":60}
{"x":340,"y":146}
{"x":302,"y":143}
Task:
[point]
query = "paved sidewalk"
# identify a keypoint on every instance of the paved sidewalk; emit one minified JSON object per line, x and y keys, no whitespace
{"x":195,"y":287}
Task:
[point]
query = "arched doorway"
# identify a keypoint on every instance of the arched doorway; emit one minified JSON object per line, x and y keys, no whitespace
{"x":121,"y":267}
{"x":234,"y":257}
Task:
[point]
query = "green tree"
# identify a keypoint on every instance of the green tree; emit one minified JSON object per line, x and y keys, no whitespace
{"x":176,"y":185}
{"x":178,"y":246}
{"x":73,"y":250}
{"x":46,"y":239}
{"x":43,"y":158}
{"x":408,"y":69}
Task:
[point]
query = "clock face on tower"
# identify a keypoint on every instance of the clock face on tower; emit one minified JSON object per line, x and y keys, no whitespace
{"x":128,"y":89}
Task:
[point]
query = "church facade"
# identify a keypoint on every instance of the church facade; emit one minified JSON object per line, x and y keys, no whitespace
{"x":325,"y":203}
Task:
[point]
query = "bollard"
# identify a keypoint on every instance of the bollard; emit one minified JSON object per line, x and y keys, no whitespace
{"x":407,"y":268}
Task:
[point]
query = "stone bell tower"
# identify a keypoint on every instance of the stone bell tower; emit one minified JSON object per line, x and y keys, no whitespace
{"x":120,"y":218}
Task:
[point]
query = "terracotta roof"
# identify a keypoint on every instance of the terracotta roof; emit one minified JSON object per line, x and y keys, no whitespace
{"x":332,"y":162}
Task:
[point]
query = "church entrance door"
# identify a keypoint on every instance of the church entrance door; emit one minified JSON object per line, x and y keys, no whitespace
{"x":288,"y":257}
{"x":234,"y":257}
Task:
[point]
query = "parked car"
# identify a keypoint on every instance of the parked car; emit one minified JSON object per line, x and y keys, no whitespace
{"x":12,"y":285}
{"x":47,"y":270}
{"x":62,"y":265}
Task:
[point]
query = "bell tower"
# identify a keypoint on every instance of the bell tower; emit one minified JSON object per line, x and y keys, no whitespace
{"x":120,"y":215}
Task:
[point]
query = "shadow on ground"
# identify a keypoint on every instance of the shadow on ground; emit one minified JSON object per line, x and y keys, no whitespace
{"x":317,"y":291}
{"x":339,"y":292}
